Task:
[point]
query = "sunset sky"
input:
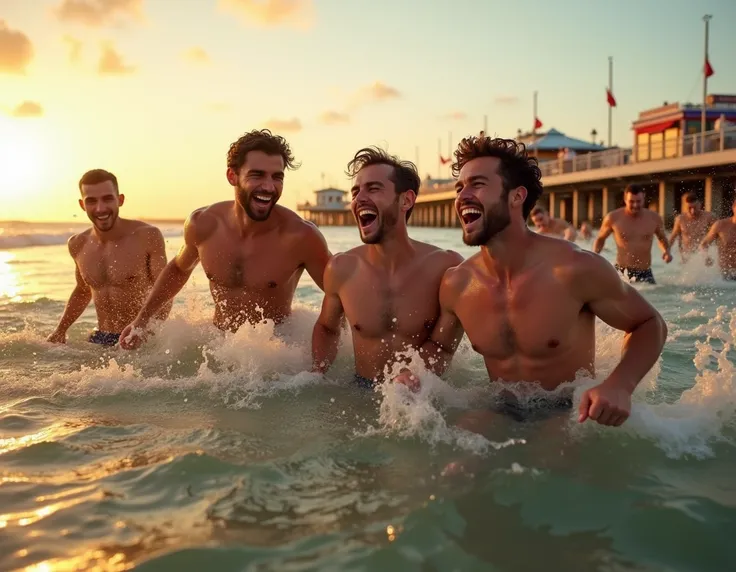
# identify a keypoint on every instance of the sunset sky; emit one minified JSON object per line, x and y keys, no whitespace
{"x":156,"y":90}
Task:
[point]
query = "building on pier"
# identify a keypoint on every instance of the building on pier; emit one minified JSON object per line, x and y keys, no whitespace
{"x":677,"y":159}
{"x":330,"y":208}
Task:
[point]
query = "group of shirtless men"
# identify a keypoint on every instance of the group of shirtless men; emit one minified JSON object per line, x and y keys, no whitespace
{"x":526,"y":301}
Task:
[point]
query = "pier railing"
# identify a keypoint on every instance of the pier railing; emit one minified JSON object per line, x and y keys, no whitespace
{"x":694,"y":144}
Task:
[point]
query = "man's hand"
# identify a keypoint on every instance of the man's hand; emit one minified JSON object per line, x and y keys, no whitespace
{"x":57,"y":337}
{"x":133,"y":336}
{"x":606,"y":404}
{"x":407,"y":378}
{"x":667,"y":257}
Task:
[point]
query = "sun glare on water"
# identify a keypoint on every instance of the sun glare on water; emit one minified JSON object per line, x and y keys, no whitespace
{"x":22,"y":158}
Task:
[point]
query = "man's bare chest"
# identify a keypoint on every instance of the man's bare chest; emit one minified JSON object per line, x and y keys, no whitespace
{"x":406,"y":308}
{"x":248,"y":266}
{"x":116,"y":266}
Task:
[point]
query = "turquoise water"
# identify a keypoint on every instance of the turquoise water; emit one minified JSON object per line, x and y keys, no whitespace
{"x":206,"y":450}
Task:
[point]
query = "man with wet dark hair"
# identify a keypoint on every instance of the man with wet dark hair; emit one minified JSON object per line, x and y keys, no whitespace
{"x":528,"y":302}
{"x":387,"y":288}
{"x":691,"y":226}
{"x":552,"y":226}
{"x":116,"y":262}
{"x":253,"y":251}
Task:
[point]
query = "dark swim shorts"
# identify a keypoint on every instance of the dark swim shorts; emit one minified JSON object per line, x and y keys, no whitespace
{"x":364,"y":382}
{"x":637,"y":275}
{"x":541,"y":408}
{"x":729,"y":274}
{"x":104,"y":338}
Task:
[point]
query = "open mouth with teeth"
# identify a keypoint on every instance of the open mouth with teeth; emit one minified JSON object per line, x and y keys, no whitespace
{"x":366,"y":218}
{"x":470,"y":214}
{"x":262,"y":198}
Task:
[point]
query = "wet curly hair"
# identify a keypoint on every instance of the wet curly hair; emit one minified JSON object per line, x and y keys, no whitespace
{"x":405,"y":176}
{"x":516,"y":168}
{"x":260,"y":140}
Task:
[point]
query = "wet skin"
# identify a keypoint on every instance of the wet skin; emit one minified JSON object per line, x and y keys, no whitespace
{"x":634,"y":229}
{"x":116,"y":263}
{"x":252,"y":251}
{"x":387,"y":288}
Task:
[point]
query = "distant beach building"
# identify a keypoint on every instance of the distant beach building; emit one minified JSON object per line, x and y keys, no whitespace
{"x":554,"y":144}
{"x":330,"y":208}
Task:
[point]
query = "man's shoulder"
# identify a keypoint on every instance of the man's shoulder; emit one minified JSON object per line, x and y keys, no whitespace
{"x":77,"y":241}
{"x":295,"y":225}
{"x":341,"y":266}
{"x":615,"y":214}
{"x":144,"y":229}
{"x":201,"y":222}
{"x":440,"y":256}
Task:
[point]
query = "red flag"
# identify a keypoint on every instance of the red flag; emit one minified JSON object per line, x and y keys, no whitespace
{"x":610,"y":98}
{"x":443,"y":160}
{"x":537,"y":123}
{"x":708,"y":69}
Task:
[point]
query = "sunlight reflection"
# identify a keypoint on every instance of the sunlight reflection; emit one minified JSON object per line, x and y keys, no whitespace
{"x":10,"y":287}
{"x":90,"y":560}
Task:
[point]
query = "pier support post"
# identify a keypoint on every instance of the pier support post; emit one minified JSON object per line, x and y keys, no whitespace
{"x":552,"y":205}
{"x":605,"y":202}
{"x":595,"y":208}
{"x":667,"y":203}
{"x":579,"y":204}
{"x":714,"y":196}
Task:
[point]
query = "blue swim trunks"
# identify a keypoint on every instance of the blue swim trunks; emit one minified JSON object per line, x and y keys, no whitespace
{"x":104,"y":338}
{"x":364,"y":382}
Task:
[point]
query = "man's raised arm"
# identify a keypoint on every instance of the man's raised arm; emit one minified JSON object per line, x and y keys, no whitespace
{"x":622,"y":307}
{"x":603,"y":234}
{"x":676,"y":234}
{"x":316,"y":255}
{"x":326,"y":333}
{"x":171,"y":279}
{"x":78,"y":301}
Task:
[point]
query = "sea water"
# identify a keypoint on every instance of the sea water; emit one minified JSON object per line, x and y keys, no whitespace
{"x":219,"y":451}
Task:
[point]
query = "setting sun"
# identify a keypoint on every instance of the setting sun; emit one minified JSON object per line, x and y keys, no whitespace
{"x":21,"y":158}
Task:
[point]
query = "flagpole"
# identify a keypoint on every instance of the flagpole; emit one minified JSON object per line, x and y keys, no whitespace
{"x":610,"y":91}
{"x":449,"y":144}
{"x":485,"y":125}
{"x":534,"y":125}
{"x":706,"y":19}
{"x":439,"y":158}
{"x":416,"y":159}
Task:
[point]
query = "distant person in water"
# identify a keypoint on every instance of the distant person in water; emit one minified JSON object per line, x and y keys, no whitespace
{"x":253,"y":251}
{"x":388,"y":288}
{"x":723,"y":232}
{"x":550,"y":226}
{"x":528,"y":302}
{"x":586,"y":230}
{"x":691,"y":226}
{"x":116,"y":262}
{"x":634,"y":228}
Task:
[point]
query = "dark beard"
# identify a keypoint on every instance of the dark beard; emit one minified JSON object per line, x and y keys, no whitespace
{"x":112,"y":221}
{"x":495,"y":221}
{"x":243,"y":197}
{"x":387,"y":220}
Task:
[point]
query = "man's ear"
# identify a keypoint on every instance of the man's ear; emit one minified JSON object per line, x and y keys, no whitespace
{"x":408,"y":199}
{"x":232,"y":177}
{"x":518,"y":196}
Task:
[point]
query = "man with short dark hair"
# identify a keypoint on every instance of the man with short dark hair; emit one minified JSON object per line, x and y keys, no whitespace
{"x":116,"y":262}
{"x":634,"y":228}
{"x":691,"y":226}
{"x":552,"y":226}
{"x":387,"y":288}
{"x":253,"y":251}
{"x":723,"y":232}
{"x":527,"y":302}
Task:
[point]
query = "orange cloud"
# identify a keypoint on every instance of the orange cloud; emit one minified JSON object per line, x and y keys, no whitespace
{"x":334,"y":118}
{"x":97,"y":13}
{"x":16,"y":50}
{"x":111,"y":62}
{"x":28,"y":109}
{"x":75,"y":48}
{"x":455,"y":116}
{"x":376,"y":92}
{"x":292,"y":125}
{"x":271,"y":13}
{"x":506,"y":99}
{"x":197,"y":55}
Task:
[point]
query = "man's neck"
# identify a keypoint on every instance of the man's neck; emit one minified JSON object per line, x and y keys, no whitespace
{"x":111,"y":235}
{"x":249,"y":226}
{"x":393,"y":250}
{"x":504,"y":255}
